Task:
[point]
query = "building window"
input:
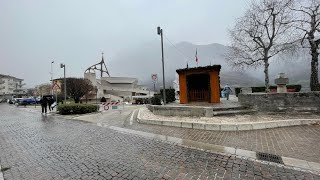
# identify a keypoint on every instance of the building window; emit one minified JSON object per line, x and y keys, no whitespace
{"x":104,"y":91}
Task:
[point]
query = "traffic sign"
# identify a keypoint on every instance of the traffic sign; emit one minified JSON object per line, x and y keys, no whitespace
{"x":154,"y":77}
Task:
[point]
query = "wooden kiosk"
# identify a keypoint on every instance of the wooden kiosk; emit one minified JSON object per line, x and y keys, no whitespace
{"x":199,"y":84}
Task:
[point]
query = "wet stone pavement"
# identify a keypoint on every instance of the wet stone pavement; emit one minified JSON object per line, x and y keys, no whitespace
{"x":301,"y":142}
{"x":37,"y":147}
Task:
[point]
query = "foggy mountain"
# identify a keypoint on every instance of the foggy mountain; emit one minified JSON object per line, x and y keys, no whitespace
{"x":145,"y":60}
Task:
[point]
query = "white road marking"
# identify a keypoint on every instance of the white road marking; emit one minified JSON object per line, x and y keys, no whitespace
{"x":131,"y":118}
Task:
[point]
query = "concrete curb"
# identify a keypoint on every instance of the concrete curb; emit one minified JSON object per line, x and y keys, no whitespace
{"x":138,"y":116}
{"x":312,"y":167}
{"x":229,"y":126}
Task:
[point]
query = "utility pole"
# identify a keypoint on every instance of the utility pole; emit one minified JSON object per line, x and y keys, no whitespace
{"x":65,"y":82}
{"x":160,"y":32}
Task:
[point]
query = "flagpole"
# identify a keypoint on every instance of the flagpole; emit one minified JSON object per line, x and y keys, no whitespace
{"x":197,"y":57}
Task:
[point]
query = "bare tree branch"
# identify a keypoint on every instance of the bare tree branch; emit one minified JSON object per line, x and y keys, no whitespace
{"x":261,"y":34}
{"x":308,"y":21}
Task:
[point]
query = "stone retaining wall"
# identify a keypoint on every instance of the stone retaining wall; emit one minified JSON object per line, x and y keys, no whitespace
{"x":178,"y":110}
{"x":295,"y":101}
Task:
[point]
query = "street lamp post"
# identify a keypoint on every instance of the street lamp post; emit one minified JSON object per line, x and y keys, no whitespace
{"x":65,"y":82}
{"x":160,"y":32}
{"x":96,"y":88}
{"x":51,"y":78}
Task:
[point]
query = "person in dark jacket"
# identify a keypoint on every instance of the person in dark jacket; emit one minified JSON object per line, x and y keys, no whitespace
{"x":44,"y":104}
{"x":50,"y":102}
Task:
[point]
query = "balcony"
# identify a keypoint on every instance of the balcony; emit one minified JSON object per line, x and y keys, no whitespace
{"x":12,"y":84}
{"x":2,"y":81}
{"x":2,"y":87}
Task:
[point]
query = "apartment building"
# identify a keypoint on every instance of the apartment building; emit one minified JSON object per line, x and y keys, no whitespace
{"x":11,"y":86}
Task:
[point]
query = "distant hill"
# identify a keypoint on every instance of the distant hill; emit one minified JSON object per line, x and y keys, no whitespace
{"x":145,"y":60}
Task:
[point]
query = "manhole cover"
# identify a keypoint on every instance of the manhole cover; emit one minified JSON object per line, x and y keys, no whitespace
{"x":269,"y":157}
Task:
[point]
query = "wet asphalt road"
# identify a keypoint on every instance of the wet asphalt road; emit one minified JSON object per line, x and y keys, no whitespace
{"x":33,"y":146}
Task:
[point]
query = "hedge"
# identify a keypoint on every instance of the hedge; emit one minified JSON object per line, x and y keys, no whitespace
{"x":77,"y":108}
{"x":296,"y":87}
{"x":156,"y":100}
{"x":170,"y":95}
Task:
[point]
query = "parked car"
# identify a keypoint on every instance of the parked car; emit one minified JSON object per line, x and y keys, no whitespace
{"x":21,"y":102}
{"x":29,"y":101}
{"x":16,"y":100}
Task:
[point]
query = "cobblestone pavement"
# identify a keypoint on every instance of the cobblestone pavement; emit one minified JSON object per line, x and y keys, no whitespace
{"x":301,"y":142}
{"x":37,"y":147}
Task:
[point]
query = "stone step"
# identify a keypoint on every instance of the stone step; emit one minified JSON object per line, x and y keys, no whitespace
{"x":229,"y":108}
{"x":233,"y":112}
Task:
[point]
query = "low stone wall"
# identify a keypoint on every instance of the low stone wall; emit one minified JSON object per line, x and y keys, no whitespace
{"x":177,"y":110}
{"x":286,"y":102}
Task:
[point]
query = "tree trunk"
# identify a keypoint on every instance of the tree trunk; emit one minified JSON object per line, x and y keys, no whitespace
{"x":314,"y":81}
{"x":266,"y":74}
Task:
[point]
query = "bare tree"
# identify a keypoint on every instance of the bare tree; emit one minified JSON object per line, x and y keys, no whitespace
{"x":78,"y":87}
{"x":307,"y":20}
{"x":31,"y":91}
{"x":43,"y":89}
{"x":262,"y":33}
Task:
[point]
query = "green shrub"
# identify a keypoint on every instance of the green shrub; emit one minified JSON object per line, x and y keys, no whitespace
{"x":170,"y":95}
{"x":156,"y":100}
{"x":237,"y":90}
{"x":296,"y":87}
{"x":77,"y":108}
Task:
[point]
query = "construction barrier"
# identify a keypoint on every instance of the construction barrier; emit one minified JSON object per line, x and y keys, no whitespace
{"x":111,"y":106}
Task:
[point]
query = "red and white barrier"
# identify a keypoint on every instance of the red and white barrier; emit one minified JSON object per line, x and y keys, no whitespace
{"x":111,"y":106}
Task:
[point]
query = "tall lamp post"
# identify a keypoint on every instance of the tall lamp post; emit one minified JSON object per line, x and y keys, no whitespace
{"x":96,"y":89}
{"x":51,"y":78}
{"x":65,"y":82}
{"x":160,"y":32}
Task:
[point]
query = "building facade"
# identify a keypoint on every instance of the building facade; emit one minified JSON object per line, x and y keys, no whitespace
{"x":11,"y":86}
{"x":117,"y":88}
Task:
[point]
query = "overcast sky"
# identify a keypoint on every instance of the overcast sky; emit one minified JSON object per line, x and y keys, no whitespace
{"x":75,"y":32}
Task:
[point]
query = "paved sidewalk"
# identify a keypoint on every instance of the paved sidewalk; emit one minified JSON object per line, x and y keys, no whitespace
{"x":301,"y":142}
{"x":242,"y":118}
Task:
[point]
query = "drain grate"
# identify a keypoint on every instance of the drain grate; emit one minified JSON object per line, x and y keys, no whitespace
{"x":269,"y":157}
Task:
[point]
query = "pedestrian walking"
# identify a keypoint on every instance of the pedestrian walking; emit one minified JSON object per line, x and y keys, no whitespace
{"x":227,"y":90}
{"x":50,"y":102}
{"x":44,"y":104}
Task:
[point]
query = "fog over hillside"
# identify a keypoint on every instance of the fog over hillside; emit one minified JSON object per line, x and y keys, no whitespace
{"x":145,"y":60}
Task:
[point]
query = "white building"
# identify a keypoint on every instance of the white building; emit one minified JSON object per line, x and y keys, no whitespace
{"x":118,"y":88}
{"x":11,"y":86}
{"x":176,"y":86}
